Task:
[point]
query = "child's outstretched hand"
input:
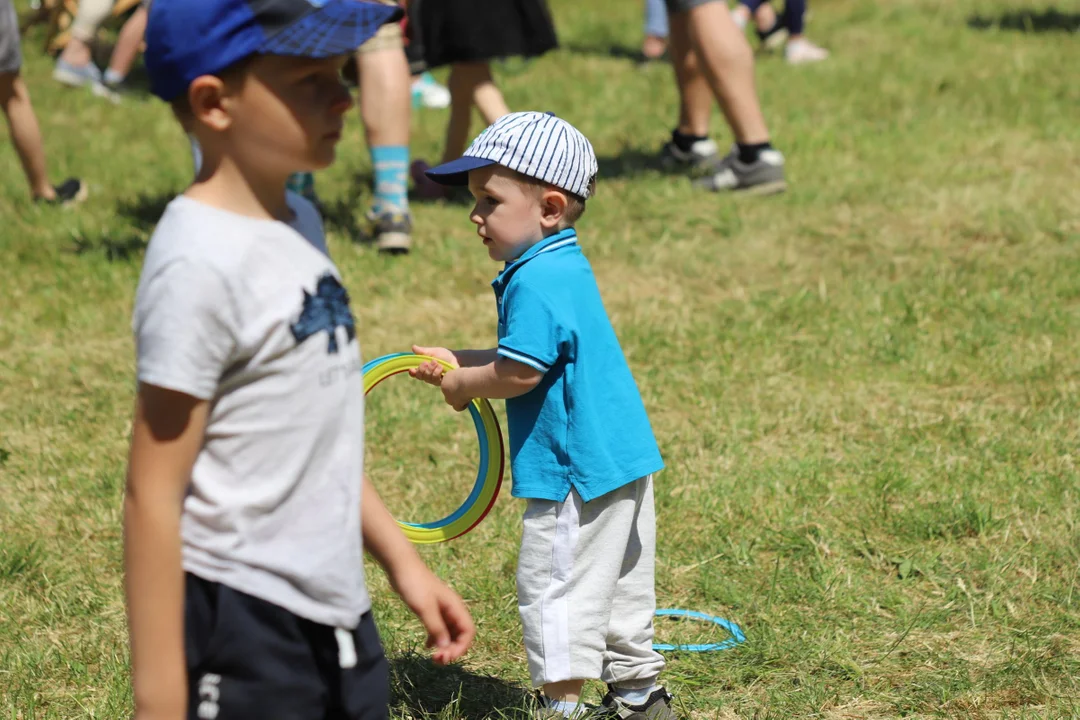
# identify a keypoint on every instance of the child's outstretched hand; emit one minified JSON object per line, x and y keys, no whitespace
{"x":430,"y":371}
{"x":449,"y":625}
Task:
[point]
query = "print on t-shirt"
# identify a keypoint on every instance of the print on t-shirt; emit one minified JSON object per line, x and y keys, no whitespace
{"x":328,"y":309}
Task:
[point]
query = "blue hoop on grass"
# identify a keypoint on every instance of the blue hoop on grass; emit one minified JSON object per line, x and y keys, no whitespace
{"x":737,"y":636}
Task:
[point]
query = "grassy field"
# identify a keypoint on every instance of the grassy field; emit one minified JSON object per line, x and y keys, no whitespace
{"x":866,"y":390}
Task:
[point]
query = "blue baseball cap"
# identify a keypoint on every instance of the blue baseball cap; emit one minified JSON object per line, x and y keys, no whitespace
{"x":189,"y":38}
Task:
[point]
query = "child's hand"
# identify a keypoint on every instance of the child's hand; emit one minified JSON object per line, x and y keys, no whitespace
{"x":453,"y":392}
{"x":449,"y":625}
{"x":440,"y":353}
{"x":430,"y":371}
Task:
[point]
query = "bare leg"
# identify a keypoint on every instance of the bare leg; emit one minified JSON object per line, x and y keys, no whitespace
{"x":470,"y":83}
{"x":728,"y":64}
{"x":765,"y":17}
{"x":25,"y":134}
{"x":385,"y":99}
{"x":567,"y":690}
{"x":90,"y":16}
{"x":695,"y":96}
{"x":127,"y":44}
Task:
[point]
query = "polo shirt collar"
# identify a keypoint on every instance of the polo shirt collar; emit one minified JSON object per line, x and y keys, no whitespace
{"x":560,"y":239}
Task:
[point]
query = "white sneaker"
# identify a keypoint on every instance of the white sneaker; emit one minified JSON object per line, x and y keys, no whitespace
{"x":426,"y":92}
{"x":801,"y":51}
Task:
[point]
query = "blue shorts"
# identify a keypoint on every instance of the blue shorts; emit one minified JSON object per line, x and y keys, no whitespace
{"x":248,"y":659}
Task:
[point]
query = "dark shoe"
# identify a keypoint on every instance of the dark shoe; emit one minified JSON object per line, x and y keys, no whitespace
{"x":764,"y":176}
{"x":656,"y":707}
{"x":701,"y":155}
{"x":391,"y":230}
{"x":69,"y":192}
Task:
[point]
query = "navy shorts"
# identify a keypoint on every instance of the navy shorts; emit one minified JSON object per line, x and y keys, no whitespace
{"x":249,"y":659}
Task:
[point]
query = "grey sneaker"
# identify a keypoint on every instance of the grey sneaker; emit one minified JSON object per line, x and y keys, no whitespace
{"x":391,"y":229}
{"x":656,"y":707}
{"x":76,"y":75}
{"x":700,"y":156}
{"x":81,"y":76}
{"x":764,"y":176}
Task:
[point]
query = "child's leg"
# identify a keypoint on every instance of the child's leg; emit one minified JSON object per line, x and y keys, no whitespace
{"x":25,"y":133}
{"x":744,"y":10}
{"x":127,"y":47}
{"x":572,"y":554}
{"x":799,"y":48}
{"x":795,"y":17}
{"x":90,"y":16}
{"x":470,"y":83}
{"x":631,"y":666}
{"x":656,"y":29}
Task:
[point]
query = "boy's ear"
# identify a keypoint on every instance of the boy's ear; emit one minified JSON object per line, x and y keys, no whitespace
{"x":552,"y":207}
{"x":208,"y":99}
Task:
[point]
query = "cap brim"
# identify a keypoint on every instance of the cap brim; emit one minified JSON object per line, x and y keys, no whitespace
{"x":456,"y":172}
{"x":337,"y":28}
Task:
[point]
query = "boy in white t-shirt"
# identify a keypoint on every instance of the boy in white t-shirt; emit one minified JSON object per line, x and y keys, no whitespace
{"x":247,"y":508}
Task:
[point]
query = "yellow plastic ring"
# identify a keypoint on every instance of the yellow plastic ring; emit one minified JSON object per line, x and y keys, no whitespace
{"x":489,"y":474}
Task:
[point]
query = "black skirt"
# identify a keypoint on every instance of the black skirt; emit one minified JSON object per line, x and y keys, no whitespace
{"x":451,"y":31}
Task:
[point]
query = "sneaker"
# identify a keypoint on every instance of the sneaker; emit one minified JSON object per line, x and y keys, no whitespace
{"x":656,"y":707}
{"x":802,"y":51}
{"x":107,"y":92}
{"x":428,"y":93}
{"x":69,"y":192}
{"x":701,"y":155}
{"x":764,"y":176}
{"x":76,"y":75}
{"x":391,"y":230}
{"x":774,"y":38}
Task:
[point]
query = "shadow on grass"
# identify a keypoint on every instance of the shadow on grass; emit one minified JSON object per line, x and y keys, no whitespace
{"x":1028,"y":21}
{"x":629,"y":163}
{"x":612,"y":50}
{"x":142,"y":215}
{"x":420,"y":689}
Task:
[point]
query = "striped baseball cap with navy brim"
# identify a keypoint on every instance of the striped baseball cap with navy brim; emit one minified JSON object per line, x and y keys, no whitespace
{"x":535,"y":144}
{"x":189,"y":38}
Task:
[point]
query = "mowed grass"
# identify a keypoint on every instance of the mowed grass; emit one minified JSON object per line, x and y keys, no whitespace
{"x":866,"y":390}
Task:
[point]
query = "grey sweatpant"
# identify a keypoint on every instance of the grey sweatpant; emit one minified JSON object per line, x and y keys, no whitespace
{"x":585,"y":588}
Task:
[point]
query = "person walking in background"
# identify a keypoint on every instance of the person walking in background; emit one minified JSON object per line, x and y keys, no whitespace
{"x":22,"y":121}
{"x":75,"y":67}
{"x":713,"y":60}
{"x":468,"y":35}
{"x":382,"y":72}
{"x":784,"y":31}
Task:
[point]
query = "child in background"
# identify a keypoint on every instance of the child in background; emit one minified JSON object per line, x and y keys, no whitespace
{"x":247,"y":508}
{"x":22,"y":122}
{"x":785,"y":31}
{"x":581,"y":449}
{"x":468,"y":35}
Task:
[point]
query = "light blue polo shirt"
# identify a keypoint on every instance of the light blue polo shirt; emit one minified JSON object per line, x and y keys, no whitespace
{"x":584,"y":426}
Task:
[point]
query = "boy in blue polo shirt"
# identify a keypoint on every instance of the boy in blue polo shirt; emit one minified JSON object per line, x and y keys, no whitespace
{"x":581,"y":448}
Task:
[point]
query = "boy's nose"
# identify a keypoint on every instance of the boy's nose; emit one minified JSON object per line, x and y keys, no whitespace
{"x":342,"y":101}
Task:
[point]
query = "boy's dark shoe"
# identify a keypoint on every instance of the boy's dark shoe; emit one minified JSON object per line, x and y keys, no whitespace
{"x":656,"y":707}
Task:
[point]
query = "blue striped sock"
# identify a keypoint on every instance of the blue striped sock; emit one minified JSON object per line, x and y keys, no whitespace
{"x":391,"y":176}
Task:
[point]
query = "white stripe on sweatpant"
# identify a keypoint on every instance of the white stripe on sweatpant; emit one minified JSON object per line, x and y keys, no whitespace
{"x":554,"y":605}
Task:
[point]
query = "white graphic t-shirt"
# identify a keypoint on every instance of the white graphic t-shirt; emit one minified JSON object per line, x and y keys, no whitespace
{"x":251,"y":315}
